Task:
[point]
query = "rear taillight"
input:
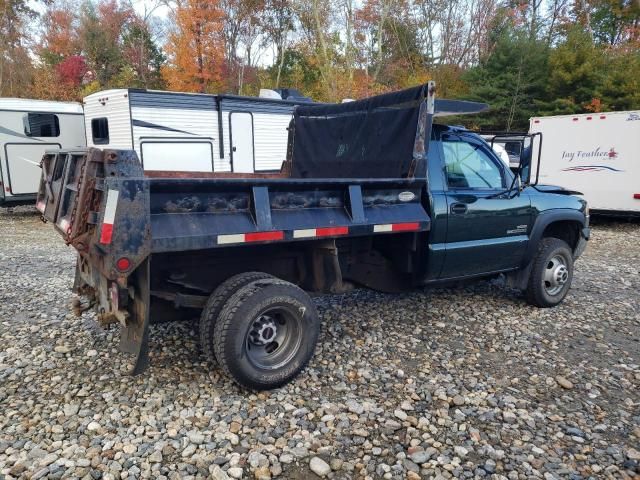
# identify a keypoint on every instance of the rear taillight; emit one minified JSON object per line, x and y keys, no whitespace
{"x":636,"y":196}
{"x":123,"y":264}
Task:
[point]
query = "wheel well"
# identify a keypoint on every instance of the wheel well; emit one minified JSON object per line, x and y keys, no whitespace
{"x":566,"y":230}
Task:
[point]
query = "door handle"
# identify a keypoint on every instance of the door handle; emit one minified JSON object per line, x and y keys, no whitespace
{"x":458,"y":208}
{"x":234,"y":149}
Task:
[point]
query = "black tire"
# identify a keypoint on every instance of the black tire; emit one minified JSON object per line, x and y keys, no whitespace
{"x":215,"y":303}
{"x":552,"y":273}
{"x":266,"y":334}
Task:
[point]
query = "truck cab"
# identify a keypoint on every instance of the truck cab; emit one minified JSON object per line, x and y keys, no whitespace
{"x":482,"y":222}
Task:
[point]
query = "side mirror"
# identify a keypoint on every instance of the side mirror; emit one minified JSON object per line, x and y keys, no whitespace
{"x":525,"y":165}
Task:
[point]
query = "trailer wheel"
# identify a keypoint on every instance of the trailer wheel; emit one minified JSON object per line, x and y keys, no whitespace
{"x":266,"y":334}
{"x":216,"y":301}
{"x":551,"y":274}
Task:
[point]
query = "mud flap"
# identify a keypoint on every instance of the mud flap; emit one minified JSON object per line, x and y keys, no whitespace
{"x":134,"y":337}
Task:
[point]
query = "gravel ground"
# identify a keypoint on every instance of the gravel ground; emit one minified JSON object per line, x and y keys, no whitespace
{"x":464,"y":383}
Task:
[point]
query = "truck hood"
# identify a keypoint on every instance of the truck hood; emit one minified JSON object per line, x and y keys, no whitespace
{"x":556,"y":189}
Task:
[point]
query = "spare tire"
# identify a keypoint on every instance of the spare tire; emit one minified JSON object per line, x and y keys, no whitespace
{"x":266,"y":334}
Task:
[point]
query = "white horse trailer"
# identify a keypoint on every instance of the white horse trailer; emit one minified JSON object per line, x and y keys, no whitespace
{"x":191,"y":132}
{"x":28,"y":128}
{"x":597,"y":154}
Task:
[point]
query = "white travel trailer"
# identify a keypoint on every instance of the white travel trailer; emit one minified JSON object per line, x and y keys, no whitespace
{"x":597,"y":154}
{"x":28,"y":128}
{"x":191,"y":132}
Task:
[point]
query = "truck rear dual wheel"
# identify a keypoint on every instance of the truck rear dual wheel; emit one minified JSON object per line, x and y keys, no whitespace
{"x":265,"y":333}
{"x":214,"y":305}
{"x":551,"y":274}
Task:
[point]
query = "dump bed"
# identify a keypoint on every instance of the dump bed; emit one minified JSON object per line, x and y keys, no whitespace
{"x":101,"y":203}
{"x":354,"y":169}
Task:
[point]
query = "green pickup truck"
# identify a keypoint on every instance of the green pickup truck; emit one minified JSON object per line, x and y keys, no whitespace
{"x":372,"y":194}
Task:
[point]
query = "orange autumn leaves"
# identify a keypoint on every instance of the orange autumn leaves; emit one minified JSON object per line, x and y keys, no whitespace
{"x":195,"y":48}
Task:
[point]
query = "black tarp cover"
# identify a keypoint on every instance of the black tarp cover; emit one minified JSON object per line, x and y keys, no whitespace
{"x":369,"y":138}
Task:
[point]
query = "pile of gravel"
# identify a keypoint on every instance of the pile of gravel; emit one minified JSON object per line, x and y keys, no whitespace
{"x":452,"y":383}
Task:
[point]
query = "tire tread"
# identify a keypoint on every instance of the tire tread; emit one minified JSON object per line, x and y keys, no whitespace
{"x":215,"y":304}
{"x":534,"y":293}
{"x":226,"y":321}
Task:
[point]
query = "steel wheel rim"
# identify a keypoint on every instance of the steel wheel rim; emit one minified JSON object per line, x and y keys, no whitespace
{"x":556,"y":275}
{"x":273,"y":338}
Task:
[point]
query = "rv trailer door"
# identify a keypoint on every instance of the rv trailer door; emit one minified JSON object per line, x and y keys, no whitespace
{"x":242,"y":142}
{"x":23,"y":160}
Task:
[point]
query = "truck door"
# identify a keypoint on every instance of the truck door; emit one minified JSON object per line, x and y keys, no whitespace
{"x":242,"y":141}
{"x":485,"y":233}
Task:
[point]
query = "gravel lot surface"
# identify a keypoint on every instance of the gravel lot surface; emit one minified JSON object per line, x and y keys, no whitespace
{"x":464,"y":383}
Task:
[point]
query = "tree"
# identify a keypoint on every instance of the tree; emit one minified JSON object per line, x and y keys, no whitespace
{"x":100,"y":33}
{"x":60,"y":33}
{"x":295,"y":71}
{"x":278,"y":24}
{"x":512,"y":79}
{"x":610,"y":22}
{"x":142,"y":55}
{"x":15,"y":62}
{"x":195,"y":48}
{"x":620,"y":89}
{"x":242,"y":32}
{"x":72,"y":70}
{"x":575,"y":74}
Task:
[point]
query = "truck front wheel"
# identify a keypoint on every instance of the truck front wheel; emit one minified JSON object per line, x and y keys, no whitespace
{"x":551,"y":274}
{"x":266,"y":334}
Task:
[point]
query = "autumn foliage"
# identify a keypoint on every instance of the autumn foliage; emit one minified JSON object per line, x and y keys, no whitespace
{"x":72,"y":70}
{"x":524,"y":58}
{"x":195,"y":48}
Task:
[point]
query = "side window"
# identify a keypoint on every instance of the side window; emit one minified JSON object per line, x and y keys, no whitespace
{"x":100,"y":131}
{"x":41,"y":125}
{"x":468,"y":166}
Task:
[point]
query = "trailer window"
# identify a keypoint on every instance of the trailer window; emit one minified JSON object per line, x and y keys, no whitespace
{"x":41,"y":125}
{"x":100,"y":131}
{"x":468,"y":166}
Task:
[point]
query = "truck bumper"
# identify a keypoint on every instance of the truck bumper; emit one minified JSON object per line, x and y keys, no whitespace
{"x":585,"y":233}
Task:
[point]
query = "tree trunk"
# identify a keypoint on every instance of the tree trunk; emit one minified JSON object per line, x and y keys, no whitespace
{"x":325,"y":70}
{"x":282,"y":49}
{"x":383,"y":18}
{"x":198,"y":38}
